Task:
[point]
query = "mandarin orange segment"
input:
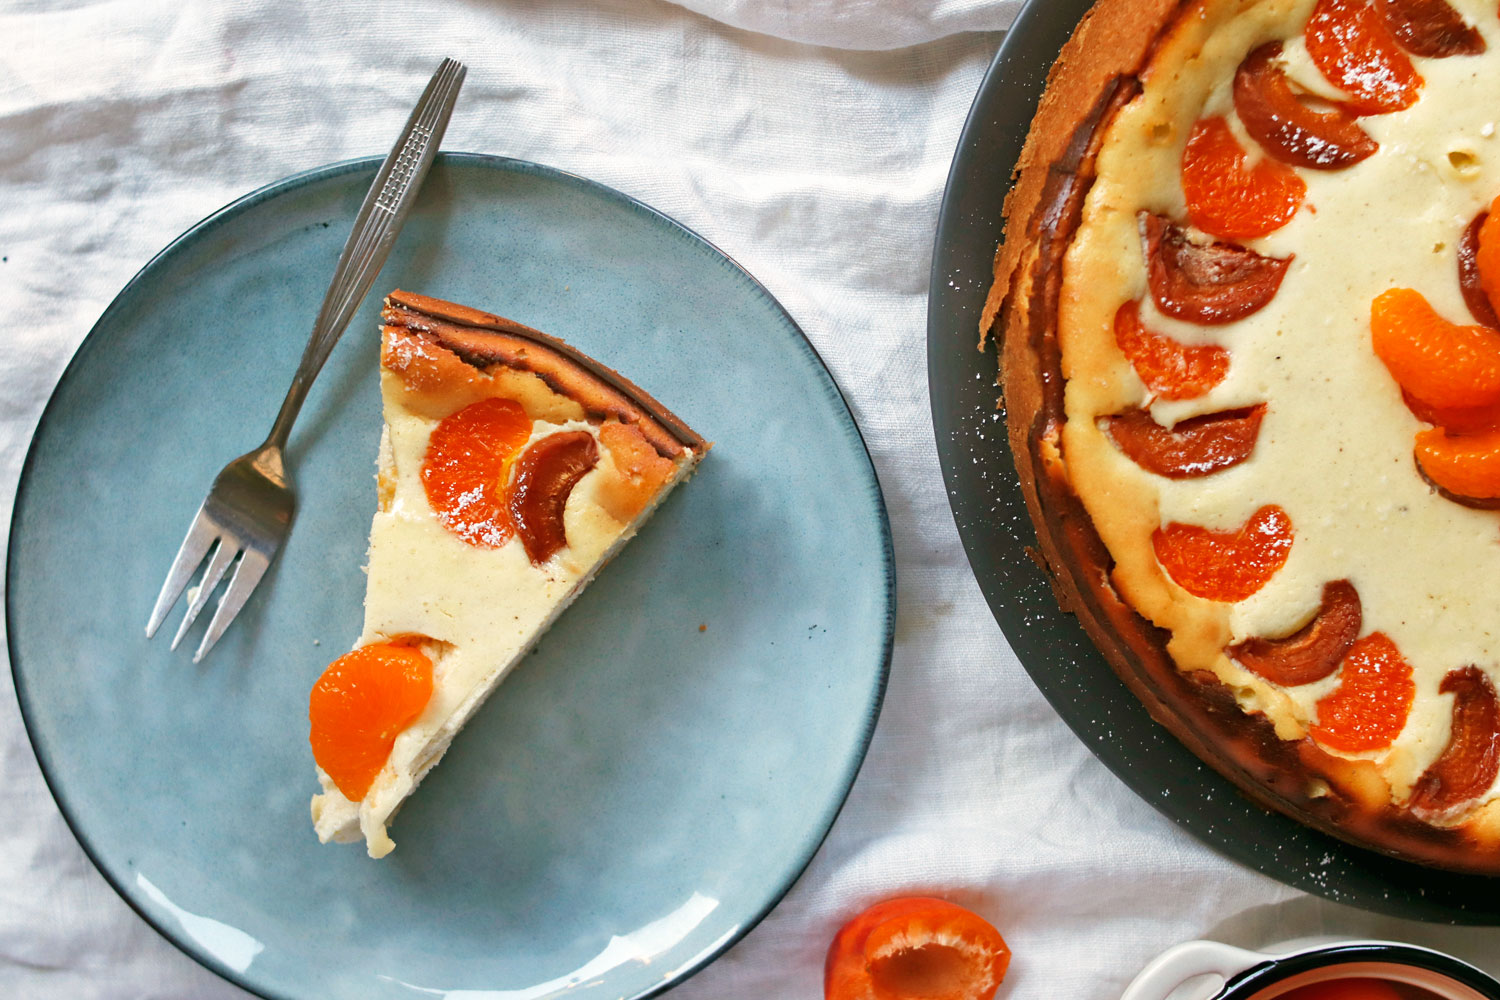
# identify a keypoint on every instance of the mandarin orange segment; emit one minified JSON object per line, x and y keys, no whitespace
{"x":363,"y":701}
{"x":1454,"y":419}
{"x":1225,"y":565}
{"x":1487,"y":256}
{"x":464,"y":470}
{"x":1226,"y":195}
{"x":1351,"y":46}
{"x":1464,"y":465}
{"x":1440,"y":363}
{"x":1170,"y":369}
{"x":1369,"y":707}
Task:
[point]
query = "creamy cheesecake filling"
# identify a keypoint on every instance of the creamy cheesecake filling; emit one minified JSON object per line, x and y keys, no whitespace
{"x":481,"y":609}
{"x":1335,"y":446}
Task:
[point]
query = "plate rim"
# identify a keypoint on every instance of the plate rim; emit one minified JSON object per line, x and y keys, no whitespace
{"x":1020,"y":65}
{"x":329,"y":171}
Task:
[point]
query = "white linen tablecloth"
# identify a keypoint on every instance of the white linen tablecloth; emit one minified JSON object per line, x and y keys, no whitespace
{"x":811,"y":141}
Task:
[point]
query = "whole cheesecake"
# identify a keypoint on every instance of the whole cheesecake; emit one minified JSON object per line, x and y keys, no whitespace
{"x":512,"y":467}
{"x":1251,"y":375}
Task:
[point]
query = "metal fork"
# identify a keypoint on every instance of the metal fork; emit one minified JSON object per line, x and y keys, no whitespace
{"x":248,"y":511}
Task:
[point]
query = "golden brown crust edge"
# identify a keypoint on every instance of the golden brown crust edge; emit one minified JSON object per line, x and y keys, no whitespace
{"x":483,"y":339}
{"x":1094,"y":75}
{"x":1111,"y":42}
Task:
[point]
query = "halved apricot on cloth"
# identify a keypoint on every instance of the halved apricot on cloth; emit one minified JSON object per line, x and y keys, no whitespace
{"x":915,"y":948}
{"x":1351,"y":46}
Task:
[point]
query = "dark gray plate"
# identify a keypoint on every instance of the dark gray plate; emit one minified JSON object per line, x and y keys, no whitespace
{"x":992,"y":520}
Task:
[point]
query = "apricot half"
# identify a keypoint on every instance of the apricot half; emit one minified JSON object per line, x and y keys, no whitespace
{"x":1467,"y":766}
{"x":1286,"y":126}
{"x":1312,"y":652}
{"x":1194,"y":447}
{"x":1208,"y":283}
{"x":544,"y":478}
{"x":1430,"y":28}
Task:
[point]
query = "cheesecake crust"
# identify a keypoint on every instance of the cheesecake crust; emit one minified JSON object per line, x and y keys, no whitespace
{"x":486,"y":342}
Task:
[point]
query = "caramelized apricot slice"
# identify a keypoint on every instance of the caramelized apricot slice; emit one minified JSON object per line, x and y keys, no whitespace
{"x":467,"y":456}
{"x":1229,"y":197}
{"x":1430,"y":28}
{"x":363,"y":701}
{"x":545,"y":476}
{"x":1369,"y":707}
{"x":1464,"y":466}
{"x":1438,"y":362}
{"x":1487,"y":259}
{"x":1170,"y":369}
{"x":1350,"y":45}
{"x":1286,"y":127}
{"x":1209,"y":283}
{"x":1225,"y":565}
{"x":1194,"y":447}
{"x":1467,"y":766}
{"x":1470,"y":280}
{"x":1312,"y":652}
{"x":1454,"y":419}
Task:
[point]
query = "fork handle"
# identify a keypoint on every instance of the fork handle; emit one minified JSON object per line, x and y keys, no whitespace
{"x":380,"y":218}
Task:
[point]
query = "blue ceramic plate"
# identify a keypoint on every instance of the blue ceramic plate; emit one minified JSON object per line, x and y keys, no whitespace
{"x":636,"y":796}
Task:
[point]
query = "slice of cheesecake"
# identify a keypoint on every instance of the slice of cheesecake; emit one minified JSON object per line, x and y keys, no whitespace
{"x":512,"y":467}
